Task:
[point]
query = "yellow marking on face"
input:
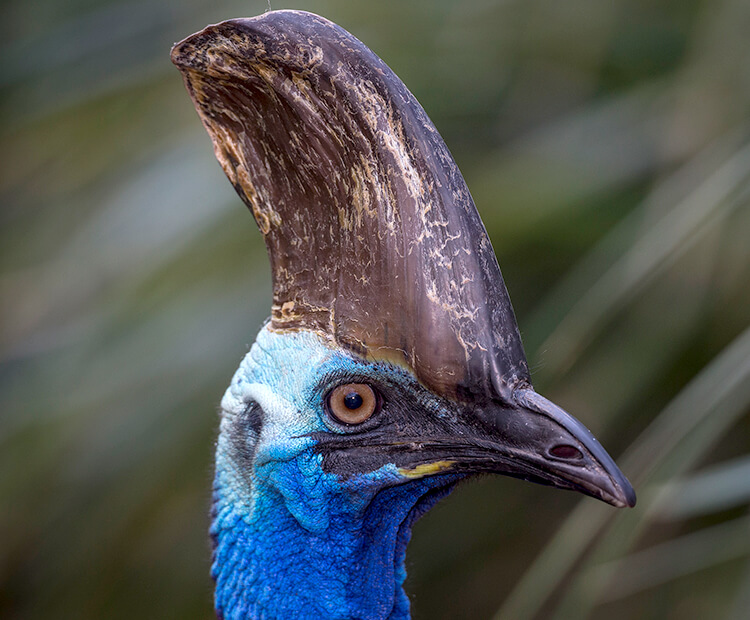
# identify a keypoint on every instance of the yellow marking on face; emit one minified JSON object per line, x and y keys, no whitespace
{"x":425,"y":469}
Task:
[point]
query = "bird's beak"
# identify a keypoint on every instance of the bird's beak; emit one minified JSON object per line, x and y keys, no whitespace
{"x":539,"y":442}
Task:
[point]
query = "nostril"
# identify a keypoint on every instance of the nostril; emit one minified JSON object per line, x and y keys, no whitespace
{"x":564,"y":451}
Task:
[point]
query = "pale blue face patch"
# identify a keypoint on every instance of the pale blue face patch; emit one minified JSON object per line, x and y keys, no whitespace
{"x":283,"y":378}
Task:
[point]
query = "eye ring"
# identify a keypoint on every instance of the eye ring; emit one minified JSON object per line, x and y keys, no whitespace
{"x":352,"y":403}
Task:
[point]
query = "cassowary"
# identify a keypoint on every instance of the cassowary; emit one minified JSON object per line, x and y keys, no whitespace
{"x":391,"y":367}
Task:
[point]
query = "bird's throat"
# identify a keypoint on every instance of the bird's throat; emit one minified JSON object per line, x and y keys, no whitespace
{"x":273,"y":566}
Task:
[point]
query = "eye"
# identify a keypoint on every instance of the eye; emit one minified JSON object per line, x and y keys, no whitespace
{"x":352,"y":403}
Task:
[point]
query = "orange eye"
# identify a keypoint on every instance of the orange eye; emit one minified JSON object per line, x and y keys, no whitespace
{"x":352,"y":403}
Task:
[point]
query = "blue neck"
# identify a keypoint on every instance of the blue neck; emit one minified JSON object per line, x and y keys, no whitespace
{"x":275,"y":567}
{"x":292,"y":540}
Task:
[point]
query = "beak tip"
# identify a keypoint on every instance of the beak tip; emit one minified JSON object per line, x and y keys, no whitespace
{"x":628,"y":494}
{"x":617,"y":490}
{"x":605,"y":480}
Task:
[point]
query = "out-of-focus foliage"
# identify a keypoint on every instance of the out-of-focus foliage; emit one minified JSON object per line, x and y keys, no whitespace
{"x":607,"y":145}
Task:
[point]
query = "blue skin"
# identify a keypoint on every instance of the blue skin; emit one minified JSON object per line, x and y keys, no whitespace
{"x":292,"y":541}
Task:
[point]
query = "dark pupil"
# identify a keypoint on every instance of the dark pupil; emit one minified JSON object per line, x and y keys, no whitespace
{"x":352,"y":400}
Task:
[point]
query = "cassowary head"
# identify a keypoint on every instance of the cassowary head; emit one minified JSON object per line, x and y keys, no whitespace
{"x":392,"y":366}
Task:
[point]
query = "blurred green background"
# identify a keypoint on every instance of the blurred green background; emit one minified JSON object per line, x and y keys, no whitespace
{"x":607,"y":146}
